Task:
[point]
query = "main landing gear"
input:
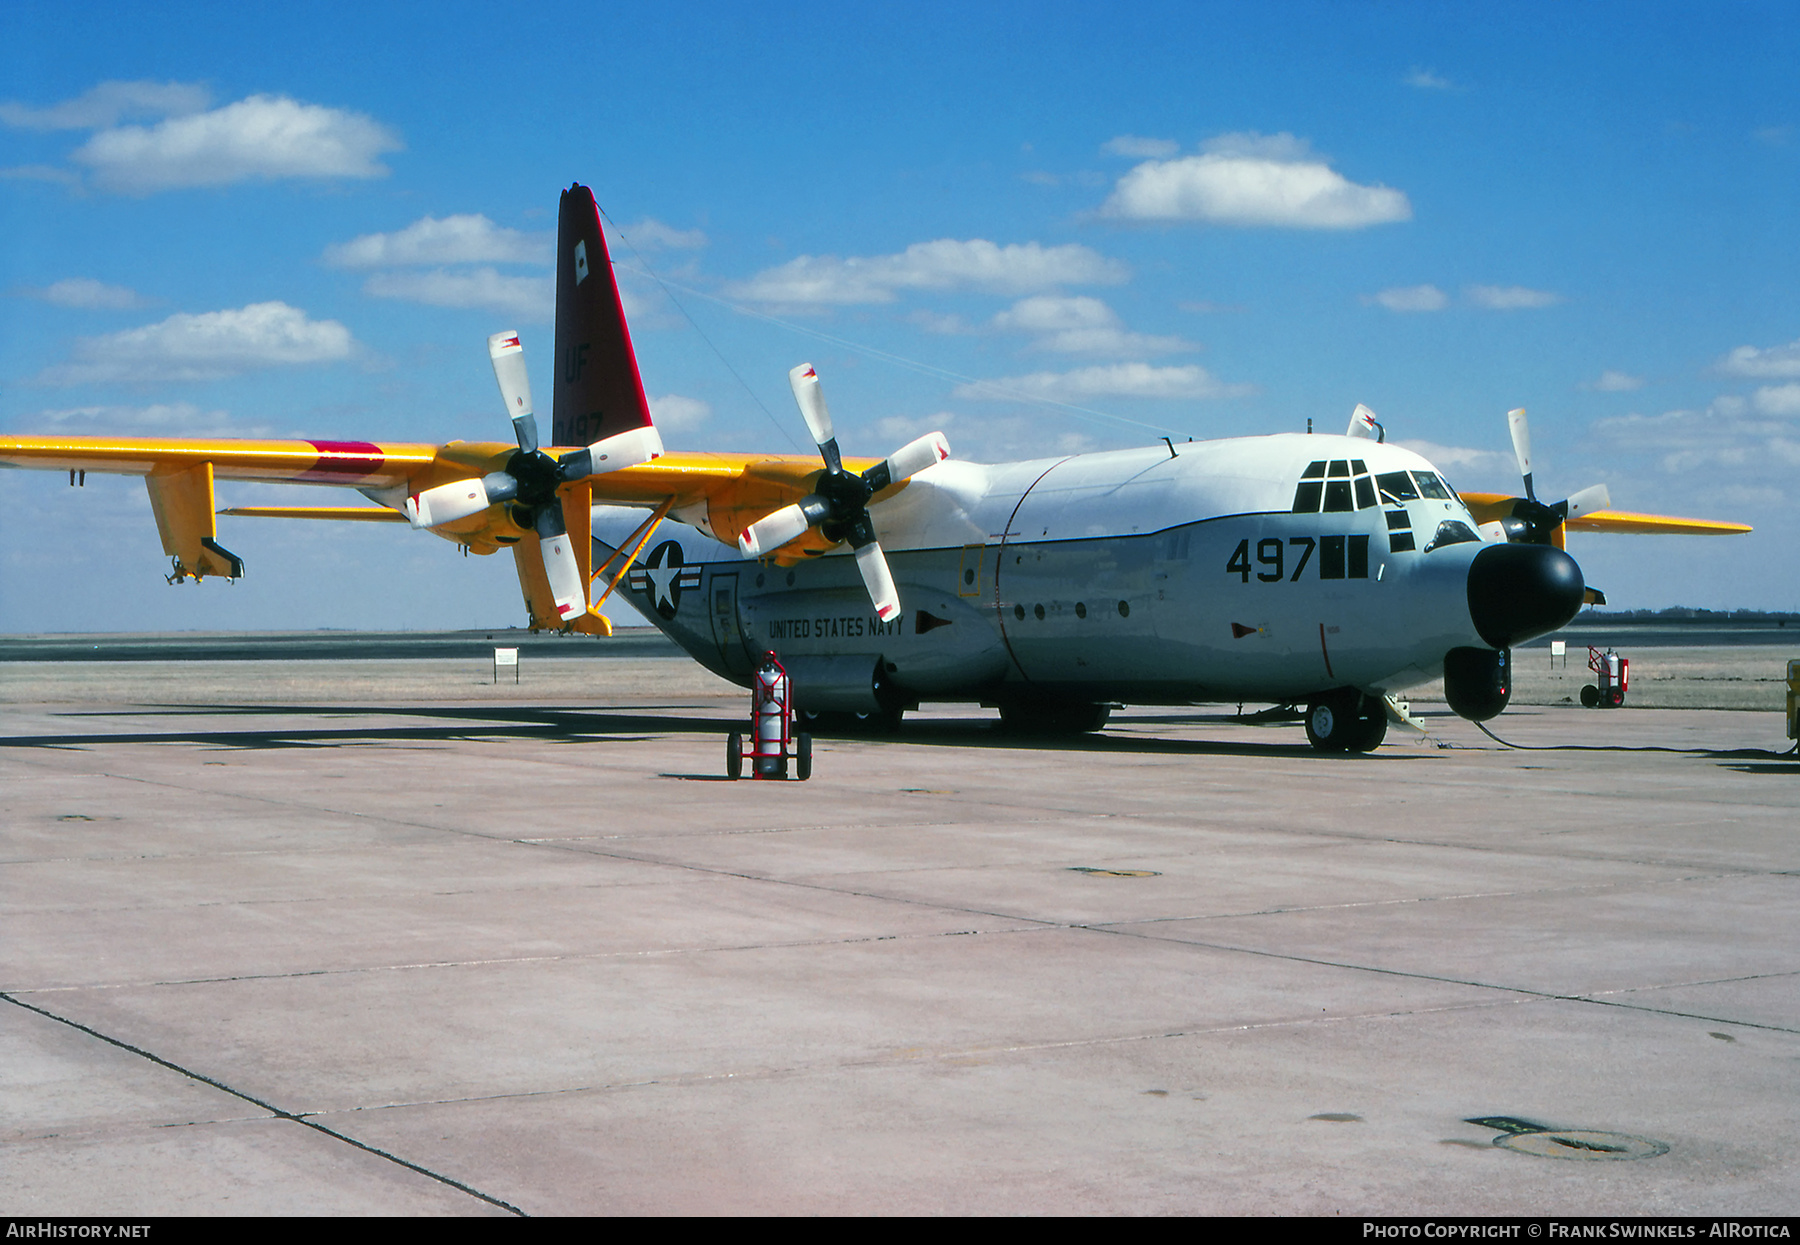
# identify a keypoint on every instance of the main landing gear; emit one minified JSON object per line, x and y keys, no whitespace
{"x":1346,"y":721}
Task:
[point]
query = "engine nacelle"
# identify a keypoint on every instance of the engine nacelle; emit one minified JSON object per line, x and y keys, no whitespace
{"x":1478,"y":682}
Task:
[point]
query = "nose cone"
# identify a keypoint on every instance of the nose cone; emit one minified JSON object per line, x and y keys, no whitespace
{"x":1519,"y":592}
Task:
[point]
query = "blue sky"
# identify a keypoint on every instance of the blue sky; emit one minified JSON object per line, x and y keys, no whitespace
{"x":1205,"y":220}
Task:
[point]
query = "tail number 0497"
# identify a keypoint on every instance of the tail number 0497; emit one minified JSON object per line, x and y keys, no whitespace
{"x":1340,"y":557}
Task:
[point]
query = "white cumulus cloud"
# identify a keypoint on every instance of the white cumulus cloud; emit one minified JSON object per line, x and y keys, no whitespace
{"x":1082,"y":325}
{"x":1774,"y":363}
{"x":1118,"y":380}
{"x":527,"y":298}
{"x":1490,"y":466}
{"x":650,"y":234}
{"x":162,"y":418}
{"x":465,"y":239}
{"x":1779,"y":400}
{"x":672,"y":412}
{"x":262,"y":137}
{"x":1509,"y":297}
{"x":206,"y":346}
{"x":88,"y":294}
{"x":1614,"y":382}
{"x":108,"y":104}
{"x":1409,"y":298}
{"x":1253,"y":180}
{"x":1428,"y":80}
{"x":1138,"y":148}
{"x":945,"y":264}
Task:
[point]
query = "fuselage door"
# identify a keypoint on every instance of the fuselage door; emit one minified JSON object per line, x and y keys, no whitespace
{"x":728,"y":631}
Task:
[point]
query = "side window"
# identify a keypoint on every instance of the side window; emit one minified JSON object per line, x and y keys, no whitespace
{"x":1396,"y":486}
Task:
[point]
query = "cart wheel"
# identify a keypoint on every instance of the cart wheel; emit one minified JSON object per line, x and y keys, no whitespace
{"x":734,"y":756}
{"x":803,"y":756}
{"x":1590,"y":696}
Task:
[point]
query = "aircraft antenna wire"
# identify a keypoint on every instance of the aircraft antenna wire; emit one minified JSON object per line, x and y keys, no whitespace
{"x":914,"y":365}
{"x":647,"y":271}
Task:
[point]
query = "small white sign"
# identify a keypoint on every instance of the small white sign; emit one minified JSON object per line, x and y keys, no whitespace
{"x":506,"y":657}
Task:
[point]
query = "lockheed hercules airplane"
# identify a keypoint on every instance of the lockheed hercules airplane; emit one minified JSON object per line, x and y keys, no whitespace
{"x":1333,"y":571}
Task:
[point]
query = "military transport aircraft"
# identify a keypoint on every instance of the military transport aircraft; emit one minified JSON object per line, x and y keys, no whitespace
{"x":1329,"y":571}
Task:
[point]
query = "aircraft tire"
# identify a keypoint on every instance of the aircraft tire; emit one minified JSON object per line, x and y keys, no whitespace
{"x":1371,"y":729}
{"x":1334,"y":722}
{"x":734,"y":756}
{"x":803,"y":756}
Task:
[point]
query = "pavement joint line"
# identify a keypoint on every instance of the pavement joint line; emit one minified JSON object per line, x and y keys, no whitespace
{"x":1594,"y":998}
{"x":573,"y":957}
{"x":274,"y":1111}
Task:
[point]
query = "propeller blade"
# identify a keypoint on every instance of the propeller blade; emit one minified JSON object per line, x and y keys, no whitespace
{"x":567,"y":587}
{"x":805,"y":384}
{"x":912,"y":458}
{"x":1521,"y":439}
{"x":772,"y":531}
{"x":879,"y":581}
{"x":1586,"y":501}
{"x":447,"y":503}
{"x":627,"y":449}
{"x":508,"y":357}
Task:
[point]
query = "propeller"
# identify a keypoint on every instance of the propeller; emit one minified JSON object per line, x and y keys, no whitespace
{"x":1534,"y":522}
{"x":531,"y":478}
{"x":839,"y":504}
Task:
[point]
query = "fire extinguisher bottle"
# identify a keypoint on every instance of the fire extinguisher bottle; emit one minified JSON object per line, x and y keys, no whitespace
{"x":771,"y":708}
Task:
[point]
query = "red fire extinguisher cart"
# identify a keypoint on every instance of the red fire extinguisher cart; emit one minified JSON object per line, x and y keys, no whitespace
{"x":772,"y":740}
{"x":1612,"y":675}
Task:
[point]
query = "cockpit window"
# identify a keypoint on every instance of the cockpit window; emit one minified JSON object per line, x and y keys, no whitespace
{"x":1396,"y":486}
{"x":1338,"y":486}
{"x":1431,"y":486}
{"x":1451,"y":532}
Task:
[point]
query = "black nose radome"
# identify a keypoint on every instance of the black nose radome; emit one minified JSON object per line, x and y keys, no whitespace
{"x":1519,"y":592}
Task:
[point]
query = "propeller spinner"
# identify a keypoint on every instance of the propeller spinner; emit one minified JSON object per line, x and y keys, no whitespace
{"x":839,"y":506}
{"x":531,"y":478}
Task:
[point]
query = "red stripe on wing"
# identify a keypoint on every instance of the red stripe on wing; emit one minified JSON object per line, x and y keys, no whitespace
{"x":344,"y":461}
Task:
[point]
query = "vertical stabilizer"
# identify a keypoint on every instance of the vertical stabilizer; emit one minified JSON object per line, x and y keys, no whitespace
{"x":597,"y":393}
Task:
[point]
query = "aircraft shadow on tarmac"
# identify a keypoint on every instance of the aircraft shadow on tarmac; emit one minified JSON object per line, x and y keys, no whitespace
{"x":636,"y":723}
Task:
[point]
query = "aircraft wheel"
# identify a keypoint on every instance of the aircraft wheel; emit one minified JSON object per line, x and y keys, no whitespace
{"x":734,"y":756}
{"x":1333,"y":721}
{"x":803,"y":756}
{"x":1371,"y":729}
{"x":1590,"y":696}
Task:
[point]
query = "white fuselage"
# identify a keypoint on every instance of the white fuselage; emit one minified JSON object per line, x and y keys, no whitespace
{"x":1151,"y":575}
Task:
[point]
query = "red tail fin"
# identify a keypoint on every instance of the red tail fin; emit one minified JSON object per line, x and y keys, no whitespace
{"x":597,"y":392}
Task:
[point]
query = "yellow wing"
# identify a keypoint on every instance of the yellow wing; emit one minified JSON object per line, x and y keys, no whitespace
{"x":1487,"y":507}
{"x":723,"y":493}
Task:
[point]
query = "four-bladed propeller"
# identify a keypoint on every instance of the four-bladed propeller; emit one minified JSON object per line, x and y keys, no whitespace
{"x":839,"y":504}
{"x":1534,"y":522}
{"x":531,"y":478}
